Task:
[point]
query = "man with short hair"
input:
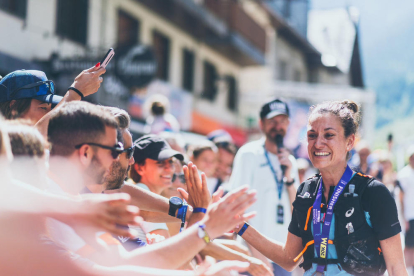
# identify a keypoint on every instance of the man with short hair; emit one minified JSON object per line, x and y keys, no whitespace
{"x":266,"y":166}
{"x":154,"y":208}
{"x":120,"y":168}
{"x":226,"y":153}
{"x":225,"y":156}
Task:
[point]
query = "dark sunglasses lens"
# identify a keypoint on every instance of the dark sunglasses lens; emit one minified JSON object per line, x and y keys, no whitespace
{"x":180,"y":176}
{"x":115,"y":154}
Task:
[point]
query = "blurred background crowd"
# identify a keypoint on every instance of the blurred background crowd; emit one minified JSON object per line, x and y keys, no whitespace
{"x":197,"y":73}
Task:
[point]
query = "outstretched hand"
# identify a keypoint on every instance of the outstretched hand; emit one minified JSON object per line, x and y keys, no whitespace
{"x":197,"y":194}
{"x":89,"y":80}
{"x":105,"y":212}
{"x":228,"y":212}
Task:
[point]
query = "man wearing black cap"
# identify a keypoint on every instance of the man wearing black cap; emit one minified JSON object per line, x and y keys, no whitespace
{"x":267,"y":166}
{"x":153,"y":170}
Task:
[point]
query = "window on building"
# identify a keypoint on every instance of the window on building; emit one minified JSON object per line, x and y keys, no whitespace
{"x":232,"y":97}
{"x":313,"y":75}
{"x":15,"y":7}
{"x":297,"y":76}
{"x":188,"y":70}
{"x":128,"y":29}
{"x":72,"y":19}
{"x":162,"y":52}
{"x":283,"y":70}
{"x":210,"y":81}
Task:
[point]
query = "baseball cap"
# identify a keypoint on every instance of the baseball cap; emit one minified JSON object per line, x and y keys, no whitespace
{"x":155,"y":148}
{"x":274,"y":108}
{"x":28,"y":84}
{"x":219,"y":135}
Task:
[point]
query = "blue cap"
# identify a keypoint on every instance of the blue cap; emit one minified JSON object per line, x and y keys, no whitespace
{"x":28,"y":84}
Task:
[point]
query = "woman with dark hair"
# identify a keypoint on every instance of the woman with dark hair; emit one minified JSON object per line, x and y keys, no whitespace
{"x":343,"y":223}
{"x":29,"y":95}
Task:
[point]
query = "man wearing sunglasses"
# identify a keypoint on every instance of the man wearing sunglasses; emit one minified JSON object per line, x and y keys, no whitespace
{"x":84,"y":137}
{"x":119,"y":169}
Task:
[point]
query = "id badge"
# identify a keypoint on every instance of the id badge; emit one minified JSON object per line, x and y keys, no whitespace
{"x":279,"y":214}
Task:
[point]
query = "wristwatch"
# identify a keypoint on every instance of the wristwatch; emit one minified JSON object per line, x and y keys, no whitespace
{"x":202,"y":234}
{"x":175,"y":204}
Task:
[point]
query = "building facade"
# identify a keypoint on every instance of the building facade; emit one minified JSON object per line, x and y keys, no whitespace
{"x":217,"y":61}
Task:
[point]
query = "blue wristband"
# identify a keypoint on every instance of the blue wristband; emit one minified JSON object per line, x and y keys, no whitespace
{"x":182,"y":213}
{"x":199,"y":210}
{"x":245,"y":226}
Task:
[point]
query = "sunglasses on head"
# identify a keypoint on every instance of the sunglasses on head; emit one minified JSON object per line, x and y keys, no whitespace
{"x":115,"y":151}
{"x":48,"y":86}
{"x":180,"y":177}
{"x":129,"y":152}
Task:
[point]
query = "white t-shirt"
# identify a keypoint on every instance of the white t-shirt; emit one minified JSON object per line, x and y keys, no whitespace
{"x":62,"y":234}
{"x":406,"y":178}
{"x":147,"y":227}
{"x":251,"y":168}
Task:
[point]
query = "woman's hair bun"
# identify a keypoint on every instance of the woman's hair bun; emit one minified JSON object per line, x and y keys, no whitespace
{"x":351,"y":105}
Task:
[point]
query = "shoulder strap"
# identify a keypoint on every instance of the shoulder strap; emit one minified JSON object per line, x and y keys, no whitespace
{"x":361,"y":182}
{"x":308,"y":187}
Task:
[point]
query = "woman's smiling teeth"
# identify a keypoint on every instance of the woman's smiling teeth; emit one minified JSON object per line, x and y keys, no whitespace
{"x":321,"y":153}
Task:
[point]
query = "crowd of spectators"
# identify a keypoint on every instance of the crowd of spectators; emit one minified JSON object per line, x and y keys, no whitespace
{"x":81,"y":197}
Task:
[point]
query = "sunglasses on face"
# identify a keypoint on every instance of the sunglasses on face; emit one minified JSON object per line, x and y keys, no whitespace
{"x":129,"y":152}
{"x":115,"y":151}
{"x":180,"y":177}
{"x":47,"y":86}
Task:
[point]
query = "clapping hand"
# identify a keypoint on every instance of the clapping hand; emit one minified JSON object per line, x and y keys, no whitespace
{"x":197,"y":194}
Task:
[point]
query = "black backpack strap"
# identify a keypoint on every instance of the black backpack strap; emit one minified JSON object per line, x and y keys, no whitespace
{"x":307,"y":264}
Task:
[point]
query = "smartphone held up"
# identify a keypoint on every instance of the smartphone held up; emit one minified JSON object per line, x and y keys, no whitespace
{"x":107,"y":58}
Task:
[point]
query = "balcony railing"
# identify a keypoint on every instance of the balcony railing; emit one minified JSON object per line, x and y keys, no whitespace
{"x":238,"y":20}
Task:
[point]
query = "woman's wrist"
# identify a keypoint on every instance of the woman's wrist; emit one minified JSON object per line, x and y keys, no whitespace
{"x":243,"y":229}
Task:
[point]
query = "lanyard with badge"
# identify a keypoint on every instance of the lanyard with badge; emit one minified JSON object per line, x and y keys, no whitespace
{"x":279,"y":186}
{"x":321,"y":237}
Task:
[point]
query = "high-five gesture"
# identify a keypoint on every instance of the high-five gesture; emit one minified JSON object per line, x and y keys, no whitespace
{"x":228,"y":212}
{"x":197,"y":194}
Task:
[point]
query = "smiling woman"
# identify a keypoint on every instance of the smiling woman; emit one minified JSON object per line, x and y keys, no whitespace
{"x":332,"y":127}
{"x":343,"y":223}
